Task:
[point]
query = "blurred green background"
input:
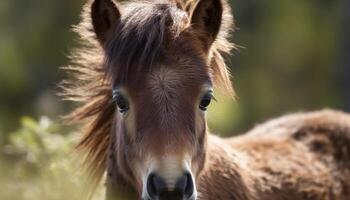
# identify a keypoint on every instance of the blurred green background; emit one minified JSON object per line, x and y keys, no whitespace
{"x":293,"y":56}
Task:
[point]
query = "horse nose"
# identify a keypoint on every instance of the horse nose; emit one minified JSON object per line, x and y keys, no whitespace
{"x":157,"y":188}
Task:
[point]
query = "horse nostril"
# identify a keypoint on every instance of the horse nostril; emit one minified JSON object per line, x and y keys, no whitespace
{"x":185,"y":185}
{"x":155,"y":185}
{"x":189,"y":190}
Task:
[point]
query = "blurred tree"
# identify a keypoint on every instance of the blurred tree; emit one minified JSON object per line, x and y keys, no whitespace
{"x":35,"y":38}
{"x":288,"y":60}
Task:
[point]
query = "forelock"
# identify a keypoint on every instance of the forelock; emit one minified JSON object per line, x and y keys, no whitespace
{"x":145,"y":31}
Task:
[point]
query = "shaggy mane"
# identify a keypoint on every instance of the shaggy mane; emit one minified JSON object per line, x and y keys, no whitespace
{"x":90,"y":83}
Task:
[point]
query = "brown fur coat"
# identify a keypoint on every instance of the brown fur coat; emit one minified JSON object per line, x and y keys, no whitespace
{"x":296,"y":157}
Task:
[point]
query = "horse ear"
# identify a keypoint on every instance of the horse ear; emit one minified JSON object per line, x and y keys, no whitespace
{"x":105,"y":16}
{"x":207,"y":18}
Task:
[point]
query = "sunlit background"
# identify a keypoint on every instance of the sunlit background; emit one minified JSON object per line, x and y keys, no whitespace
{"x":293,"y":56}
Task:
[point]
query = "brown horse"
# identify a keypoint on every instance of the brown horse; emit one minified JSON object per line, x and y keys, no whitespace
{"x":146,"y":75}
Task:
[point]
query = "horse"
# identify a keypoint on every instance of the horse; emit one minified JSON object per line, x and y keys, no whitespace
{"x":144,"y":77}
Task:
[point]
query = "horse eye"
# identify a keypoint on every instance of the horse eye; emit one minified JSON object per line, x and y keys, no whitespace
{"x":122,"y":103}
{"x":206,"y":99}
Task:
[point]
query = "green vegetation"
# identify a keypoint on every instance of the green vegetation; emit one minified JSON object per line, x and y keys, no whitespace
{"x":39,"y":163}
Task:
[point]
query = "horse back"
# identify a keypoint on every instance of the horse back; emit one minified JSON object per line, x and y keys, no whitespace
{"x":325,"y":134}
{"x":299,"y":156}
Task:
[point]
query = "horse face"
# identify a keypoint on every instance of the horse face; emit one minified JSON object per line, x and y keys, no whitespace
{"x":164,"y":128}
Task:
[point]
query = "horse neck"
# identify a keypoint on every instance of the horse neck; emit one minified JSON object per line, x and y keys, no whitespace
{"x":223,"y":169}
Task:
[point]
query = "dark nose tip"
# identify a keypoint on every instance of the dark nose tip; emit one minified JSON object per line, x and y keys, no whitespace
{"x":157,"y":188}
